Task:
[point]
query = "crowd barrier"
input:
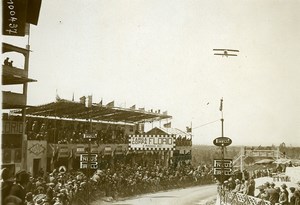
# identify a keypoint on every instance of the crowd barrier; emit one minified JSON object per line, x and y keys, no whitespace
{"x":231,"y":198}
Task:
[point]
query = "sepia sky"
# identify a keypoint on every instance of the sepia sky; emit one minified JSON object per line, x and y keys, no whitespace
{"x":159,"y":55}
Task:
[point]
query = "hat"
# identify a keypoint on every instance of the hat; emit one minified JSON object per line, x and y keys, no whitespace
{"x":267,"y":183}
{"x":284,"y":186}
{"x":292,"y":189}
{"x":272,"y":184}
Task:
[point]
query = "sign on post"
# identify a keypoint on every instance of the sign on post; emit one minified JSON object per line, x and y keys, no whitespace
{"x":93,"y":165}
{"x":85,"y":158}
{"x":91,"y":159}
{"x":227,"y":163}
{"x":222,"y":169}
{"x":222,"y":141}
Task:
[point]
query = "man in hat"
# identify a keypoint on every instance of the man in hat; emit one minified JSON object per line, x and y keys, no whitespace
{"x":273,"y":195}
{"x":18,"y":188}
{"x":6,"y":184}
{"x":262,"y":193}
{"x":292,"y":197}
{"x":283,"y":198}
{"x":283,"y":186}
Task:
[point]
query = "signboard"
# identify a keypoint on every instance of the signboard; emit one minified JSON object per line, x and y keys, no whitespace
{"x":84,"y":161}
{"x":151,"y":142}
{"x":89,"y":135}
{"x":12,"y":127}
{"x":227,"y":163}
{"x":227,"y":171}
{"x":63,"y":151}
{"x":85,"y":158}
{"x":222,"y":141}
{"x":14,"y":17}
{"x":224,"y":173}
{"x":93,"y":165}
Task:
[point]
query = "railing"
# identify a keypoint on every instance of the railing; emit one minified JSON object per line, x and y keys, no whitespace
{"x":231,"y":198}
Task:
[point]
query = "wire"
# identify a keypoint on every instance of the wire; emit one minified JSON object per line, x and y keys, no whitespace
{"x":206,"y":124}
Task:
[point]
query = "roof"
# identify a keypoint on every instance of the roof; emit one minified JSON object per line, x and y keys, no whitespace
{"x":76,"y":110}
{"x":170,"y":131}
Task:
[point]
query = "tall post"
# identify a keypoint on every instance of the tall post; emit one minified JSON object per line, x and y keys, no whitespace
{"x":222,"y":157}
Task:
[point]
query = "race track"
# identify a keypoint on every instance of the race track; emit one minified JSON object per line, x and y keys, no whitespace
{"x":196,"y":195}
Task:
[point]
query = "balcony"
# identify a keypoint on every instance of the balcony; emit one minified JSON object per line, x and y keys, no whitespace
{"x":13,"y":100}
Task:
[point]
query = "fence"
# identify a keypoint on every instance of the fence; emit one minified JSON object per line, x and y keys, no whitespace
{"x":241,"y":199}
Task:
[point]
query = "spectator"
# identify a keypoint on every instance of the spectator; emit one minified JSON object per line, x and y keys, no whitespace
{"x":292,"y":197}
{"x":18,"y":188}
{"x":283,"y":198}
{"x":6,"y":61}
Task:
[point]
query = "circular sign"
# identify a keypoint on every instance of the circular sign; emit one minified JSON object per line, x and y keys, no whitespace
{"x":222,"y":141}
{"x":62,"y":169}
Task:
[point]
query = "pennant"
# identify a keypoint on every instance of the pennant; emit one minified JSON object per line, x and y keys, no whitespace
{"x":132,"y":107}
{"x":165,"y":112}
{"x":142,"y":109}
{"x":167,"y":125}
{"x":188,"y":129}
{"x":221,"y":105}
{"x":57,"y":97}
{"x":100,"y":103}
{"x":82,"y":100}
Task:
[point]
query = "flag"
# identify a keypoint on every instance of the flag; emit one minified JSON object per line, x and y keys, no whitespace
{"x":221,"y":105}
{"x":142,"y":109}
{"x":100,"y":103}
{"x":188,"y":129}
{"x":132,"y":107}
{"x":82,"y":100}
{"x":73,"y":97}
{"x":167,"y":125}
{"x":57,"y":97}
{"x":90,"y":100}
{"x":165,"y":112}
{"x":111,"y":104}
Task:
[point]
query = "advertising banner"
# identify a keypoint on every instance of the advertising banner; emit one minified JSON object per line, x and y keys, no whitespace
{"x":151,"y":142}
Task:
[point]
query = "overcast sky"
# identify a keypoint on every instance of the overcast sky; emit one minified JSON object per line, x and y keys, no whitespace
{"x":159,"y":55}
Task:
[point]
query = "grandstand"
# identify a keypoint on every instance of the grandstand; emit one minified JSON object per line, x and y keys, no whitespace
{"x":55,"y":136}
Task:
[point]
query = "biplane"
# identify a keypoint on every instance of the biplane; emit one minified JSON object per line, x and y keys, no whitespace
{"x":225,"y":52}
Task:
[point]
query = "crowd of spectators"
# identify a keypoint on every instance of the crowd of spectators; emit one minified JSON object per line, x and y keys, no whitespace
{"x":68,"y":132}
{"x":64,"y":132}
{"x":267,"y":192}
{"x":74,"y":187}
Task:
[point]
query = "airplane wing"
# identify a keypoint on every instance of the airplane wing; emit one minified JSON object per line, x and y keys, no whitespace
{"x":230,"y":55}
{"x":219,"y":54}
{"x":221,"y":49}
{"x":233,"y":50}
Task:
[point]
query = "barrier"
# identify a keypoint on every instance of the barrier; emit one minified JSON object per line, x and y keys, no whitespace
{"x":231,"y":198}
